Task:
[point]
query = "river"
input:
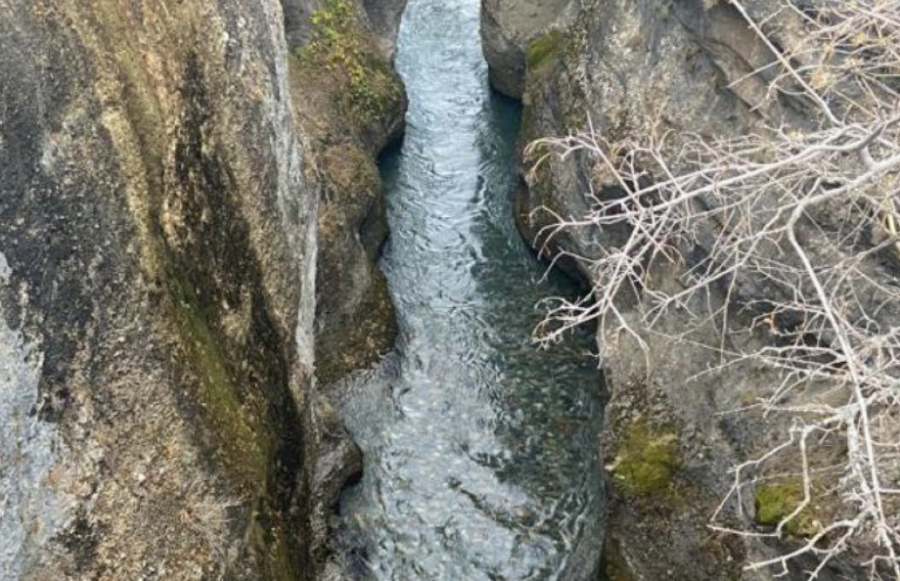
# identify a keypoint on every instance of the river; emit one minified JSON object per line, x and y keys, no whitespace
{"x":481,"y":451}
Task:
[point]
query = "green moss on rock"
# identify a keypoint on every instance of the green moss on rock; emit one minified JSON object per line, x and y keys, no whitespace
{"x":775,"y":502}
{"x":245,"y":450}
{"x":646,"y":461}
{"x":340,"y":45}
{"x":544,"y":47}
{"x":354,"y":104}
{"x":244,"y":444}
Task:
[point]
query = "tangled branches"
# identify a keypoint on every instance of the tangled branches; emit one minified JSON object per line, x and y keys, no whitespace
{"x":805,"y":207}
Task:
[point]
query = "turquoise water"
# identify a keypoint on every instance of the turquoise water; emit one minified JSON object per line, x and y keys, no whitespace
{"x":481,"y":452}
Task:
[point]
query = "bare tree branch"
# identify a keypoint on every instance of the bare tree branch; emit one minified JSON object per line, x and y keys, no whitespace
{"x":805,"y":210}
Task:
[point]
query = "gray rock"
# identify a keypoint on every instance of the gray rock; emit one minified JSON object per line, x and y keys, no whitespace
{"x":158,"y":236}
{"x":635,"y":67}
{"x":384,"y":18}
{"x":350,"y":113}
{"x":158,"y":249}
{"x":507,"y":29}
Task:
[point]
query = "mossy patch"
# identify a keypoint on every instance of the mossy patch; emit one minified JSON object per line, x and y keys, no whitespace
{"x":340,"y":45}
{"x":244,"y":449}
{"x":270,"y":543}
{"x":353,"y":104}
{"x":541,"y":49}
{"x":647,"y":461}
{"x":244,"y":444}
{"x":775,"y":502}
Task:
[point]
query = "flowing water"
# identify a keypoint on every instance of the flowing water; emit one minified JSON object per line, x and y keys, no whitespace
{"x":481,"y":452}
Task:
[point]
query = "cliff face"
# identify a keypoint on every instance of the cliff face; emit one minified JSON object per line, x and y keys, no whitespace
{"x":352,"y":106}
{"x":158,"y":218}
{"x":636,"y":67}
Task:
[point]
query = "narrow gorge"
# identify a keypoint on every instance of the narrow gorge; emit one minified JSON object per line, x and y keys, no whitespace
{"x":449,"y":290}
{"x":481,"y":458}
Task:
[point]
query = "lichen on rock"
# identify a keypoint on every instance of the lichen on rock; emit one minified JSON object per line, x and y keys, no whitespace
{"x":544,"y":47}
